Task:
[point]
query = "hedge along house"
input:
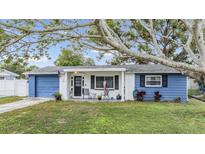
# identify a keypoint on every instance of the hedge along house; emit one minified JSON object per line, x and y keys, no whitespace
{"x":87,"y":82}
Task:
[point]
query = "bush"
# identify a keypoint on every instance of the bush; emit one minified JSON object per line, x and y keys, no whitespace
{"x":118,"y":97}
{"x":194,"y":92}
{"x":157,"y":96}
{"x":99,"y":97}
{"x":140,"y":95}
{"x":177,"y":100}
{"x":58,"y":96}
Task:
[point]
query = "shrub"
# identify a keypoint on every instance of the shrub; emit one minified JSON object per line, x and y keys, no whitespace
{"x":118,"y":97}
{"x":140,"y":95}
{"x":157,"y":96}
{"x":177,"y":100}
{"x":99,"y":97}
{"x":57,"y":96}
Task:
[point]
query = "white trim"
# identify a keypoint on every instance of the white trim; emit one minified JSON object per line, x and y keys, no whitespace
{"x":39,"y":73}
{"x":94,"y":70}
{"x":123,"y":86}
{"x":113,"y":77}
{"x":153,"y":76}
{"x":74,"y":87}
{"x":187,"y":88}
{"x":66,"y":85}
{"x":143,"y":72}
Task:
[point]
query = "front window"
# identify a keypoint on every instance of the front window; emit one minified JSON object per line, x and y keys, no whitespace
{"x":101,"y":79}
{"x":153,"y":81}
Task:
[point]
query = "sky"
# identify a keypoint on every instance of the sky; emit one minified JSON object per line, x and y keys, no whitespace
{"x":55,"y":51}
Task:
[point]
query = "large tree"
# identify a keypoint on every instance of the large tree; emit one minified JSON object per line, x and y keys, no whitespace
{"x":72,"y":58}
{"x":175,"y":43}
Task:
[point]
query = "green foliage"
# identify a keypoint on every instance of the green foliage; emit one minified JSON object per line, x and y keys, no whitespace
{"x":137,"y":38}
{"x":17,"y":66}
{"x":124,"y":60}
{"x":58,"y":96}
{"x":72,"y":58}
{"x":130,"y":32}
{"x":194,"y":92}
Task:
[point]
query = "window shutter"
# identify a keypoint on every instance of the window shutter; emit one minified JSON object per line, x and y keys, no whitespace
{"x":116,"y":82}
{"x":142,"y":80}
{"x":164,"y":81}
{"x":92,"y":81}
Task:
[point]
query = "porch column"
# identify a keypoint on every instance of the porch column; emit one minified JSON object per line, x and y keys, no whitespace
{"x":123,"y":86}
{"x":66,"y":85}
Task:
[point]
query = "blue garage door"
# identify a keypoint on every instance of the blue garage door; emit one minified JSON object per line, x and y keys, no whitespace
{"x":46,"y":86}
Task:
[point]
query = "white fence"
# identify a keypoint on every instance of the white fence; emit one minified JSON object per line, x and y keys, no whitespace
{"x":13,"y":88}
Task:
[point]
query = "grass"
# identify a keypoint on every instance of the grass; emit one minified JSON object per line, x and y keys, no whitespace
{"x":129,"y":117}
{"x":10,"y":99}
{"x":194,"y":92}
{"x":203,"y":97}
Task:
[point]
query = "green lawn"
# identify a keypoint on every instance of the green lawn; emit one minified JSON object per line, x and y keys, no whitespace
{"x":203,"y":97}
{"x":128,"y":117}
{"x":194,"y":92}
{"x":10,"y":99}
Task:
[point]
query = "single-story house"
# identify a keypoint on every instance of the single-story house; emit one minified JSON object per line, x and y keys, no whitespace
{"x":7,"y":75}
{"x":88,"y":81}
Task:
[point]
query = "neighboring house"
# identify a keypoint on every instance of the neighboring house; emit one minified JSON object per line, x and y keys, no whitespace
{"x":7,"y":75}
{"x":87,"y":81}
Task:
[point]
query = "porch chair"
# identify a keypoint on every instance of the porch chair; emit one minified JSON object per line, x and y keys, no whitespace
{"x":86,"y":92}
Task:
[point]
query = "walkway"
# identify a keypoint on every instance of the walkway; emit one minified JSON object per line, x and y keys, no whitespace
{"x":21,"y":104}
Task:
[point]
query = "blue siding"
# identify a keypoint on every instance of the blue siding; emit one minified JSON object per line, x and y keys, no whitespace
{"x":177,"y":87}
{"x":43,"y":85}
{"x":31,"y":80}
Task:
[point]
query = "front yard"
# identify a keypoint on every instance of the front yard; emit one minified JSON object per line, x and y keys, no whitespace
{"x":10,"y":99}
{"x":129,"y":117}
{"x":196,"y":93}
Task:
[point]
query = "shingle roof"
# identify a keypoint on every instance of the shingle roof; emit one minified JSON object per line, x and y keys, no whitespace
{"x":139,"y":68}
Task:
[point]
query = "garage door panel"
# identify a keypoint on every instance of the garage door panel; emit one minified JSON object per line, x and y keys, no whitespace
{"x":46,"y":86}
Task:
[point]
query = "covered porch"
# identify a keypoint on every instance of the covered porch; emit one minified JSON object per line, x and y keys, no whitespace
{"x":88,"y":84}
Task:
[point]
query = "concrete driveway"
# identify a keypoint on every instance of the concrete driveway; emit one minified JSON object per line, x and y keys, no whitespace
{"x":21,"y":104}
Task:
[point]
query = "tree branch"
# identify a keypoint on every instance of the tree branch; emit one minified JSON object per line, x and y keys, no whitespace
{"x":151,"y":31}
{"x":189,"y":50}
{"x":199,"y":39}
{"x":13,"y":42}
{"x":49,"y":29}
{"x":112,"y":42}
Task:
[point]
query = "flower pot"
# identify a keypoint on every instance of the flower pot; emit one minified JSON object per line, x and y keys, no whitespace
{"x":58,"y":98}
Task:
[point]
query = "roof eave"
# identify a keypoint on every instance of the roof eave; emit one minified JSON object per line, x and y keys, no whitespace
{"x":94,"y":69}
{"x":39,"y":73}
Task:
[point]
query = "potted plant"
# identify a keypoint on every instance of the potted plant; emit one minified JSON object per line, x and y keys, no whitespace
{"x":99,"y":97}
{"x":118,"y":97}
{"x":58,"y":96}
{"x":157,"y":96}
{"x":140,"y":95}
{"x":177,"y":99}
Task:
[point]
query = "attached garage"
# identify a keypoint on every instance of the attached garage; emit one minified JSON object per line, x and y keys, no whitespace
{"x":43,"y":85}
